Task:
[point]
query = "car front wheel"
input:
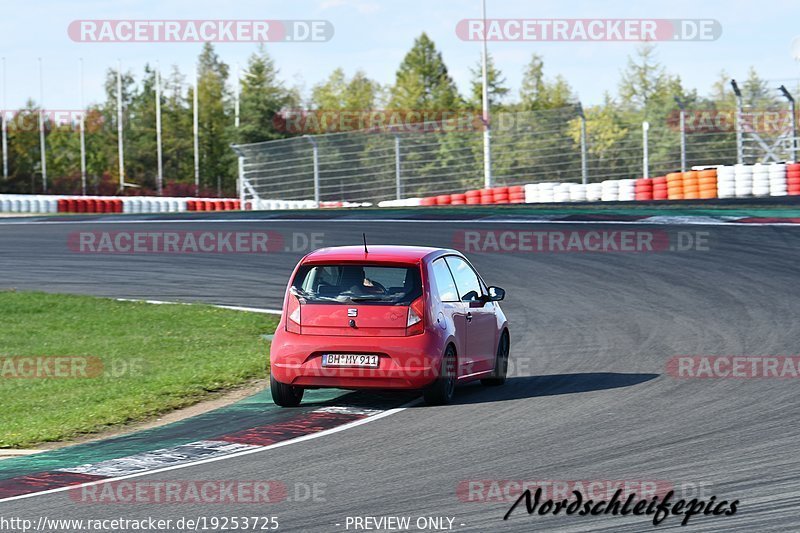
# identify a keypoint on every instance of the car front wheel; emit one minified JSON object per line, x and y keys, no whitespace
{"x":285,"y":395}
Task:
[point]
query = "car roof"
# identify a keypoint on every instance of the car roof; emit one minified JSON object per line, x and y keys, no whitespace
{"x":377,"y":253}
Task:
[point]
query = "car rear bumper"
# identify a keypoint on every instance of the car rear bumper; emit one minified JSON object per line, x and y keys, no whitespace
{"x":404,"y":362}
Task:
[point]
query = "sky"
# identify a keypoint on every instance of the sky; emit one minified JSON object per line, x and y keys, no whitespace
{"x":374,"y":36}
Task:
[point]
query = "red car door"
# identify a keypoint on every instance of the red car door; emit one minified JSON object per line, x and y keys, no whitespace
{"x":480,"y":316}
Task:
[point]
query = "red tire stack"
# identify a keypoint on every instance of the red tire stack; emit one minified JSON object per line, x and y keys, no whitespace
{"x":793,"y":179}
{"x":516,"y":194}
{"x":487,"y":196}
{"x":473,"y":197}
{"x":500,"y":195}
{"x":644,"y":189}
{"x":458,"y":199}
{"x":443,"y":199}
{"x":660,"y":188}
{"x":429,"y":200}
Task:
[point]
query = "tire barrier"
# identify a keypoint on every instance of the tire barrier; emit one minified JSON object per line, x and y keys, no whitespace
{"x":720,"y":181}
{"x":743,"y":178}
{"x":793,"y":179}
{"x":609,"y":191}
{"x":691,"y":190}
{"x":47,"y":204}
{"x":643,"y":189}
{"x":777,"y":179}
{"x":726,"y":182}
{"x":675,"y":186}
{"x":707,"y":183}
{"x":515,"y":194}
{"x":660,"y":190}
{"x":760,"y":180}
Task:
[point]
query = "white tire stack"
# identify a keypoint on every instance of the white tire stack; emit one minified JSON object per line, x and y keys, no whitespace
{"x":561,"y":192}
{"x":627,"y":190}
{"x":532,"y":193}
{"x":726,"y":182}
{"x":743,"y":180}
{"x":609,"y":190}
{"x":777,"y":179}
{"x":594,"y":191}
{"x":760,"y":180}
{"x":547,"y":192}
{"x":577,"y":192}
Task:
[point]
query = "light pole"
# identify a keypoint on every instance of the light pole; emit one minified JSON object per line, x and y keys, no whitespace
{"x":42,"y":148}
{"x":4,"y":125}
{"x":739,"y":112}
{"x":789,"y":97}
{"x":195,"y":135}
{"x":83,"y":135}
{"x":487,"y":135}
{"x":120,"y":150}
{"x":159,"y":164}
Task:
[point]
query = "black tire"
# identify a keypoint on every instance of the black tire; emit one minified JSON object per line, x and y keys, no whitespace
{"x":285,"y":395}
{"x":500,"y":364}
{"x":442,"y":390}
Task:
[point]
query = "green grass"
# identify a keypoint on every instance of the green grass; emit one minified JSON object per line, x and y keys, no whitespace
{"x":155,"y":358}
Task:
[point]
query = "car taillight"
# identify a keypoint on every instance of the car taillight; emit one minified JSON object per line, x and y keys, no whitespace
{"x":293,"y":315}
{"x":415,"y":323}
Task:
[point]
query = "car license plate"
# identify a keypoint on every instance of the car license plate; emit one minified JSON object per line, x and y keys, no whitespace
{"x":350,"y":359}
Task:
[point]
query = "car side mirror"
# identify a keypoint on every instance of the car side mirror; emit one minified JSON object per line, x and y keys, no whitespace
{"x":496,"y":294}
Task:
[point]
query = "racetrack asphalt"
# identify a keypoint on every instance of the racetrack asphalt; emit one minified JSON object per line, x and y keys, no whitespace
{"x":590,"y":397}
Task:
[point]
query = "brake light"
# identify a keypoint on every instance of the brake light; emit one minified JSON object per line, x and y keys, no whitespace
{"x":293,"y":315}
{"x":415,"y":324}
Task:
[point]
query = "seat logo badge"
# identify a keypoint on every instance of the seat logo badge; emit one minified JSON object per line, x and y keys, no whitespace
{"x":352,"y":312}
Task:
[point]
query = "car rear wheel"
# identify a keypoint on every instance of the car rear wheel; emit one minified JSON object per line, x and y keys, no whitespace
{"x":500,"y":364}
{"x":285,"y":395}
{"x":442,"y":390}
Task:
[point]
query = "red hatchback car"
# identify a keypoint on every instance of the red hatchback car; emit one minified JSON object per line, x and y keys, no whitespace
{"x":387,"y":317}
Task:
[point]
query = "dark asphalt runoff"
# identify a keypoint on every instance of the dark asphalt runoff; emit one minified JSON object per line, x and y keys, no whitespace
{"x":590,"y":397}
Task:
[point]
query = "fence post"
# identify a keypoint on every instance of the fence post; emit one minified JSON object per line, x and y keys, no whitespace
{"x":682,"y":108}
{"x":584,"y":163}
{"x":240,"y":183}
{"x":398,"y":182}
{"x":645,"y":156}
{"x":739,"y":112}
{"x":315,"y":149}
{"x":789,"y":97}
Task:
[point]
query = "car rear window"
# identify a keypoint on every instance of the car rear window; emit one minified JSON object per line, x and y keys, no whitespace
{"x":371,"y":284}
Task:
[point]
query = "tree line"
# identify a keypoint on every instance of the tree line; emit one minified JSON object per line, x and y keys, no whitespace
{"x":646,"y":91}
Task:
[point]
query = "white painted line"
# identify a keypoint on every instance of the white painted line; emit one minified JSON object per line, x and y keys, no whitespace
{"x":230,"y":456}
{"x":232,"y":307}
